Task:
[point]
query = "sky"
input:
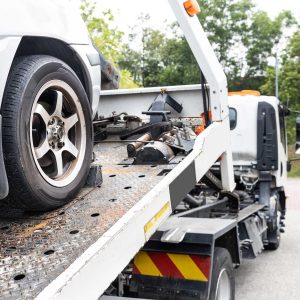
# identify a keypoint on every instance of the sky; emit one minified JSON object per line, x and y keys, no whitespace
{"x":127,"y":12}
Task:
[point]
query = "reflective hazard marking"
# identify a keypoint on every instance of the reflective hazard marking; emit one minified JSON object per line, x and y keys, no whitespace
{"x":146,"y":265}
{"x":187,"y":267}
{"x":170,"y":265}
{"x":157,"y":217}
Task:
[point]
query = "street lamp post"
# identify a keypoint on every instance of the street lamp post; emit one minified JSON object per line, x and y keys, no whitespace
{"x":277,"y":70}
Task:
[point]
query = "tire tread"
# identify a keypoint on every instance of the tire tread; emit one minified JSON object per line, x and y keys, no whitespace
{"x":21,"y":194}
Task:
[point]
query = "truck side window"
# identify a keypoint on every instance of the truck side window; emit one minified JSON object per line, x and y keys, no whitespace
{"x":282,"y":128}
{"x":232,"y":117}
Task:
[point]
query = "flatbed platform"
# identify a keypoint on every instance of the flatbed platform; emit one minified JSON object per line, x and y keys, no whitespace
{"x":36,"y":249}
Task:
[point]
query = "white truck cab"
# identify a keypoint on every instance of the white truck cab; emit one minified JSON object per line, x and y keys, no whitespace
{"x":258,"y":131}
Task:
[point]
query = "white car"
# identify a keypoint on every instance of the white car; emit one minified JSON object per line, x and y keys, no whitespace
{"x":49,"y":92}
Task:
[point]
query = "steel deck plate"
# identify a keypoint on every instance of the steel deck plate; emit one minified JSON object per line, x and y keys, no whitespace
{"x":35,"y":249}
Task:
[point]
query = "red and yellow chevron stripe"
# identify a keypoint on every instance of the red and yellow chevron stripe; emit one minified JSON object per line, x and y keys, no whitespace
{"x":170,"y":265}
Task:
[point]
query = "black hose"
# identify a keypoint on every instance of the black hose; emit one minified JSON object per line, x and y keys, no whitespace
{"x":192,"y":201}
{"x":205,"y":100}
{"x":155,"y":129}
{"x":243,"y":195}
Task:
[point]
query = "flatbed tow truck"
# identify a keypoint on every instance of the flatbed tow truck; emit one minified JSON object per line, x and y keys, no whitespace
{"x":165,"y":222}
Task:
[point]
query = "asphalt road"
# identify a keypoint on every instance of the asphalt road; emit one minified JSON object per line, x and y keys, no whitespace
{"x":275,"y":275}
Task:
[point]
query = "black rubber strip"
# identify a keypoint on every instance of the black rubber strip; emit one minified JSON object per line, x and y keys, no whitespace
{"x":182,"y":185}
{"x":3,"y":177}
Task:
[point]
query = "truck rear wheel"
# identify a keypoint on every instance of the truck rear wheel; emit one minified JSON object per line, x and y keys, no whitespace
{"x":273,"y":233}
{"x":274,"y":245}
{"x":222,"y":279}
{"x":47,"y":133}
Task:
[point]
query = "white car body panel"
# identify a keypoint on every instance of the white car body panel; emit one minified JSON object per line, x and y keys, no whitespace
{"x":57,"y":19}
{"x":8,"y":48}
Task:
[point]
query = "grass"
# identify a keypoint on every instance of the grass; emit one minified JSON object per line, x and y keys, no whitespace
{"x":295,"y":172}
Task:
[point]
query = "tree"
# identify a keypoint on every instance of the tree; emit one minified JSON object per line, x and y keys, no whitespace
{"x":226,"y":22}
{"x":159,"y":60}
{"x":289,"y":81}
{"x":243,"y":39}
{"x":162,"y":61}
{"x":107,"y":38}
{"x":260,"y":41}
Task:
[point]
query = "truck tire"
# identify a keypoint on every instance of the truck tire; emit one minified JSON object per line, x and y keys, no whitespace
{"x":273,"y":233}
{"x":274,"y":245}
{"x":222,"y":279}
{"x":274,"y":238}
{"x":47,"y":133}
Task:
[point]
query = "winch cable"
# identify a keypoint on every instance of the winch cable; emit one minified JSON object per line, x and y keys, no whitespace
{"x":206,"y":102}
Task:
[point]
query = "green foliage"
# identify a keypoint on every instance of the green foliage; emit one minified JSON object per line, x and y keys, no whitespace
{"x":261,"y":38}
{"x":289,"y":82}
{"x":242,"y":37}
{"x":180,"y":65}
{"x":226,"y":23}
{"x":295,"y":171}
{"x":158,"y":60}
{"x":107,"y":38}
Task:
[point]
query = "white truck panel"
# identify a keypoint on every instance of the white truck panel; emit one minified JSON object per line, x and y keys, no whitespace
{"x":244,"y":135}
{"x":140,"y":99}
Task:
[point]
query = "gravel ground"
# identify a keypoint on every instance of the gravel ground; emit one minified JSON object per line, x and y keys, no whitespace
{"x":275,"y":274}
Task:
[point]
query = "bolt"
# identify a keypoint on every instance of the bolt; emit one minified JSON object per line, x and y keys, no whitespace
{"x":61,"y":144}
{"x":51,"y":122}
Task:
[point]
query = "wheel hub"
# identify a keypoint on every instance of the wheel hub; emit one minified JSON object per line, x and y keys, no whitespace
{"x":58,"y":123}
{"x":56,"y":133}
{"x":223,"y":286}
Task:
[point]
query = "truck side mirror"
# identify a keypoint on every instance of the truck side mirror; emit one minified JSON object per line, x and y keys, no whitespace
{"x":298,"y":135}
{"x":285,"y":110}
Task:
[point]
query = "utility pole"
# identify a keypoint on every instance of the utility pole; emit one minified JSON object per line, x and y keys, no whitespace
{"x":277,"y":70}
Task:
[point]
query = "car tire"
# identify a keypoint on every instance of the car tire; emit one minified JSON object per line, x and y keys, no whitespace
{"x":47,"y":133}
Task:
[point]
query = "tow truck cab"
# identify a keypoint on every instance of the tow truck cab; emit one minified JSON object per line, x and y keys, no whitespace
{"x":258,"y":136}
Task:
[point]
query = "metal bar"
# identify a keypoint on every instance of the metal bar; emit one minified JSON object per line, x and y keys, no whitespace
{"x":119,"y":298}
{"x":206,"y":58}
{"x":202,"y":208}
{"x":249,"y":210}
